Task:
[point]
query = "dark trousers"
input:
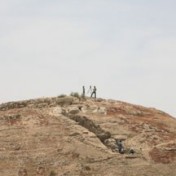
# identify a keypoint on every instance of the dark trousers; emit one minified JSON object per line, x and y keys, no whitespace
{"x":93,"y":93}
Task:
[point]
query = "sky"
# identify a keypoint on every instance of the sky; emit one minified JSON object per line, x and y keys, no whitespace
{"x":127,"y":49}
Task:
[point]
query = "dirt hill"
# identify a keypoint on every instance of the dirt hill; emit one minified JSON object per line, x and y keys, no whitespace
{"x":67,"y":136}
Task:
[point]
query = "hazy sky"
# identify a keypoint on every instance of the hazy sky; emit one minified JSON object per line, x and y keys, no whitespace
{"x":126,"y":48}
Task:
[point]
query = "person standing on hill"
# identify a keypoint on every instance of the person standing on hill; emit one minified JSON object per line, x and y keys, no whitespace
{"x":84,"y":91}
{"x":89,"y":90}
{"x":94,"y":92}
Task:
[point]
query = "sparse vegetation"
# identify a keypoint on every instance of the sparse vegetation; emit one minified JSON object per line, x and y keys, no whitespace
{"x":61,"y":96}
{"x":75,"y":94}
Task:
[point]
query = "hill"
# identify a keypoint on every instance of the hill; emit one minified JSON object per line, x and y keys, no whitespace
{"x":68,"y":136}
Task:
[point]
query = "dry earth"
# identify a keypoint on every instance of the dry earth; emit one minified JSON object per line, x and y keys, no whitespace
{"x":66,"y":136}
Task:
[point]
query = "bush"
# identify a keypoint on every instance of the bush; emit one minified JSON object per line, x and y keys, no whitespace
{"x":62,"y":96}
{"x":75,"y":94}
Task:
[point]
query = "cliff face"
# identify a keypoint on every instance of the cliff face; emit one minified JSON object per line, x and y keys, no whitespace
{"x":66,"y":136}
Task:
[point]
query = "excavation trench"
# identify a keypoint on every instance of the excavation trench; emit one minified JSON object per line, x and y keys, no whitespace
{"x":104,"y":136}
{"x":83,"y":121}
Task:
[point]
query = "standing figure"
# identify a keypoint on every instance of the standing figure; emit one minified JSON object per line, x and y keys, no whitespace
{"x":120,"y":146}
{"x":94,"y":92}
{"x":90,"y":90}
{"x":84,"y":91}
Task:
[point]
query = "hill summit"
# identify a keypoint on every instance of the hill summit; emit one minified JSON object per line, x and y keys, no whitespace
{"x":71,"y":136}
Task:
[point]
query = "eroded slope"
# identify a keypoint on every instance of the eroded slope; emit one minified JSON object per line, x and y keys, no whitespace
{"x":68,"y":136}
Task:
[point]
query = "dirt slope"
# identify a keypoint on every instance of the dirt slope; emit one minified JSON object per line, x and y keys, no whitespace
{"x":66,"y":136}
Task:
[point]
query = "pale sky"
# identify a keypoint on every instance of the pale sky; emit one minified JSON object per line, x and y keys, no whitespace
{"x":126,"y":48}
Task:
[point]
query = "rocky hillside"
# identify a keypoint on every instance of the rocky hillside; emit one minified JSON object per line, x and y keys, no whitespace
{"x":67,"y":136}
